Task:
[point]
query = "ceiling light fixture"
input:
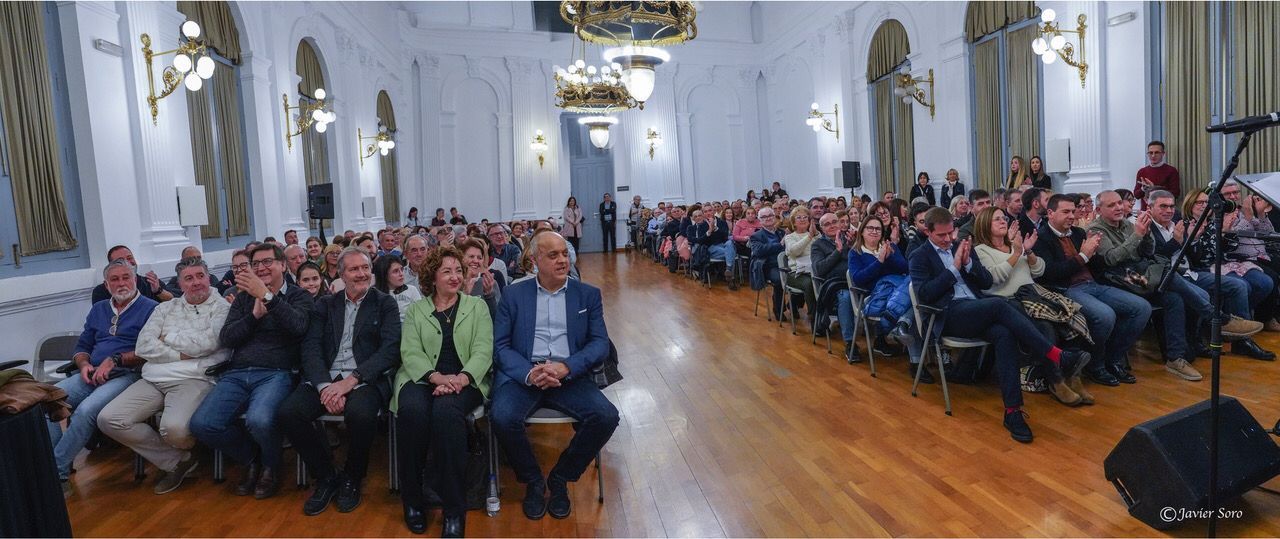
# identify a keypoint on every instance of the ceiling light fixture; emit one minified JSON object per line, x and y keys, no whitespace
{"x":638,"y":63}
{"x":598,"y":128}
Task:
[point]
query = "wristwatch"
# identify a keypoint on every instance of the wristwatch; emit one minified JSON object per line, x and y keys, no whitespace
{"x":117,"y":359}
{"x":266,"y":298}
{"x":356,"y":375}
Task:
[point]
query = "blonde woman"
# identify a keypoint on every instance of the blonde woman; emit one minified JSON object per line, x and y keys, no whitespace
{"x":797,"y":244}
{"x":1017,"y":173}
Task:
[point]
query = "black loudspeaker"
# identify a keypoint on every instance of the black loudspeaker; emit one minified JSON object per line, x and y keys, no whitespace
{"x":320,"y":201}
{"x":852,"y":172}
{"x":1161,"y":467}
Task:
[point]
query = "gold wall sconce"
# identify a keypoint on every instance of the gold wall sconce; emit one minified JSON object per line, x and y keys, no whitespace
{"x":908,"y":88}
{"x":309,"y":114}
{"x":382,"y":143}
{"x":655,"y":140}
{"x":1056,"y":46}
{"x":191,"y":67}
{"x":818,"y":120}
{"x":539,"y":146}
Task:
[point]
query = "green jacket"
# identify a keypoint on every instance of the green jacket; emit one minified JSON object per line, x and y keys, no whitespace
{"x":420,"y":343}
{"x":1120,"y":244}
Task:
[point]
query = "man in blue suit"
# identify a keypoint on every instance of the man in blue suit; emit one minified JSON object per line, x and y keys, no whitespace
{"x":548,"y":335}
{"x":949,"y":277}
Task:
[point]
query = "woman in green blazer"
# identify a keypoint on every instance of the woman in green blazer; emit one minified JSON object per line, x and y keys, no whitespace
{"x":446,"y":351}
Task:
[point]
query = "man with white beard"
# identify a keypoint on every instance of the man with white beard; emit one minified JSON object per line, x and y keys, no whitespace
{"x":105,"y":361}
{"x":179,"y":342}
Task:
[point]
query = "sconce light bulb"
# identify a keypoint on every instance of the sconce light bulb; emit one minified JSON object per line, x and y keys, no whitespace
{"x":204,"y":67}
{"x":1039,"y":46}
{"x":538,"y":132}
{"x":317,"y":115}
{"x":384,"y":151}
{"x":906,"y":100}
{"x":1048,"y":58}
{"x":1048,"y":15}
{"x":816,"y":127}
{"x":1058,"y":42}
{"x":320,"y":93}
{"x":321,"y":127}
{"x":391,"y":144}
{"x":331,"y":117}
{"x":899,"y":91}
{"x":191,"y":29}
{"x":194,"y":82}
{"x":182,"y":63}
{"x":813,"y":106}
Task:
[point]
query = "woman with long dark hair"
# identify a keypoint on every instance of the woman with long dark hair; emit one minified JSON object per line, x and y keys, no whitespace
{"x":923,"y":189}
{"x":1037,"y":175}
{"x":388,"y":277}
{"x":572,"y":229}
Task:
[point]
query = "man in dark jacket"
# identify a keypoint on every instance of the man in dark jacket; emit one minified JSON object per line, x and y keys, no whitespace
{"x":765,"y":245}
{"x":352,"y":346}
{"x":609,"y":223}
{"x":829,"y":255}
{"x":951,"y":278}
{"x":264,"y":330}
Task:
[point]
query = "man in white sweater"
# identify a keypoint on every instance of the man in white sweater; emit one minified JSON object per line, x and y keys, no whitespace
{"x":178,"y":343}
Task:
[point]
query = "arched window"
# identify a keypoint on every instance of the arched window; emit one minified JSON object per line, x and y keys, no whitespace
{"x":1005,"y":77}
{"x":1214,"y":72}
{"x":217,"y":130}
{"x":315,"y":146}
{"x":41,"y":221}
{"x":894,"y":135}
{"x":390,"y":179}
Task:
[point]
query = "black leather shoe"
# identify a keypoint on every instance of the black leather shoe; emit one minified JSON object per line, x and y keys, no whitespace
{"x":326,"y":489}
{"x":925,"y":377}
{"x":348,"y":495}
{"x":268,"y":485}
{"x":851,"y":353}
{"x":1249,"y":348}
{"x":1016,"y":422}
{"x":1122,"y":374}
{"x":415,"y":519}
{"x":454,"y":526}
{"x":1100,"y":375}
{"x":1071,"y":362}
{"x":248,"y":480}
{"x":535,"y":500}
{"x":558,"y":506}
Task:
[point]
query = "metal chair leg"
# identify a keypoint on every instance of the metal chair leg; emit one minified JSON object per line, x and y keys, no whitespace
{"x":393,"y":456}
{"x":942,"y":378}
{"x":139,"y":468}
{"x":600,"y":480}
{"x":219,"y":471}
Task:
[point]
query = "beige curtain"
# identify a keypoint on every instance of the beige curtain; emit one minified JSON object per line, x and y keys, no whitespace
{"x":1024,"y":92}
{"x":26,"y":100}
{"x":1187,"y":84}
{"x":203,"y":158}
{"x":904,"y":144}
{"x":217,"y":26}
{"x":231,"y":134}
{"x":986,"y":78}
{"x":390,"y":179}
{"x":309,"y":69}
{"x":984,"y":18}
{"x":1256,"y":78}
{"x":889,"y":48}
{"x":884,"y":134}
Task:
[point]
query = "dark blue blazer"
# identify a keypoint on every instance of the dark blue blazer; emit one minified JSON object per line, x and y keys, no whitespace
{"x":518,"y":316}
{"x":935,"y":284}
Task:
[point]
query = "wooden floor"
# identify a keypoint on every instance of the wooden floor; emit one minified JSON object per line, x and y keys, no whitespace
{"x":731,"y":426}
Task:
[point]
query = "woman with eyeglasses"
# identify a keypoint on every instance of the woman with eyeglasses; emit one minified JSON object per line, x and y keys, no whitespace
{"x":878,"y":266}
{"x":329,"y":267}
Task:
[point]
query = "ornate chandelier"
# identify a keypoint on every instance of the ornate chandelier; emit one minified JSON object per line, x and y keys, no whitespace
{"x":641,"y":23}
{"x":590,"y":89}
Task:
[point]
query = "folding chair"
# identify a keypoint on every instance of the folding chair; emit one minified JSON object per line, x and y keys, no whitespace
{"x":788,"y":290}
{"x":926,"y":315}
{"x":826,"y":293}
{"x":858,"y":299}
{"x":548,"y":416}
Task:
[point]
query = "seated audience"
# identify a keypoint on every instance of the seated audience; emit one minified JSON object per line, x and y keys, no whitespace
{"x":294,"y":256}
{"x":447,"y":353}
{"x":439,"y":219}
{"x":545,"y":360}
{"x":263,"y":330}
{"x":1011,"y":260}
{"x":961,"y":209}
{"x":290,"y":237}
{"x":415,"y":253}
{"x":365,"y":243}
{"x":479,"y":280}
{"x":178,"y":342}
{"x":352,"y":344}
{"x":1033,"y":203}
{"x":829,"y":255}
{"x":311,"y":280}
{"x":456,"y":218}
{"x":502,"y":249}
{"x":917,"y":235}
{"x":803,"y":232}
{"x":389,"y":277}
{"x":979,"y":200}
{"x":329,"y":265}
{"x":951,"y":278}
{"x":315,"y":249}
{"x":878,"y":267}
{"x":388,"y":243}
{"x":174,"y":288}
{"x":148,"y":285}
{"x":105,"y":360}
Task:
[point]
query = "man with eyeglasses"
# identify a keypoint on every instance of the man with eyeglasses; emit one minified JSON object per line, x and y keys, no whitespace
{"x":264,"y":332}
{"x":178,"y":342}
{"x":501,"y":248}
{"x":105,"y":361}
{"x":388,"y":243}
{"x":765,"y":245}
{"x":415,"y":252}
{"x":148,"y":285}
{"x":1157,"y":175}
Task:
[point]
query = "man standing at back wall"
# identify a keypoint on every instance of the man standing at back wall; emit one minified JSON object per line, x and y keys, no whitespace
{"x":608,"y":223}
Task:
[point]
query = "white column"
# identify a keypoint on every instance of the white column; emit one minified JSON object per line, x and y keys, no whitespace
{"x":528,"y":91}
{"x":684,"y":186}
{"x":273,"y":206}
{"x":1089,"y":171}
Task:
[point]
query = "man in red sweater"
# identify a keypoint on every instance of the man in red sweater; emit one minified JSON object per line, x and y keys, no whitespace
{"x":1158,"y":175}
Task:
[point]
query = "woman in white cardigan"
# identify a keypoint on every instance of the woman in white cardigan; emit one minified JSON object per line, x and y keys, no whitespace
{"x":797,"y":245}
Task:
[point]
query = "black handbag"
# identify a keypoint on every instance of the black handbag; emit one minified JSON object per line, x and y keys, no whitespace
{"x":1140,"y":277}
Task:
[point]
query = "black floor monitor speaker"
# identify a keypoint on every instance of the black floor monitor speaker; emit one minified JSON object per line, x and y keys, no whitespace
{"x":1164,"y":463}
{"x":852,"y":172}
{"x":320,"y":201}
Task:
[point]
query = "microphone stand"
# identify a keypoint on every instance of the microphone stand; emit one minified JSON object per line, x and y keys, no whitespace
{"x":1217,"y":207}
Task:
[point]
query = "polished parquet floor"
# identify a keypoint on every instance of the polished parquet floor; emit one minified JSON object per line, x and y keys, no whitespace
{"x":731,"y":426}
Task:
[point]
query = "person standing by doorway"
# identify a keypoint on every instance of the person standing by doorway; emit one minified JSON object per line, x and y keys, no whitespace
{"x":572,"y":229}
{"x":608,"y":223}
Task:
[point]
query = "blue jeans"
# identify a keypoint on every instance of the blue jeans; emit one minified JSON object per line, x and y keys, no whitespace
{"x":844,"y":311}
{"x":1237,"y":292}
{"x":1181,"y":301}
{"x":1115,"y":317}
{"x":86,"y":402}
{"x":254,"y":392}
{"x":1260,"y":286}
{"x":723,"y":251}
{"x":579,"y":399}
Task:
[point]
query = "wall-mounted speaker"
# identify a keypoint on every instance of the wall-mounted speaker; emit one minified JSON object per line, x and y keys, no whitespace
{"x":320,"y":201}
{"x":851,"y":172}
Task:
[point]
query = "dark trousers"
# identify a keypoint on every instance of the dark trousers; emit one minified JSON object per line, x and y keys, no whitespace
{"x":439,"y":425}
{"x":775,"y":277}
{"x":610,"y":239}
{"x":297,"y":419}
{"x":996,"y":321}
{"x":579,"y":399}
{"x":573,"y":240}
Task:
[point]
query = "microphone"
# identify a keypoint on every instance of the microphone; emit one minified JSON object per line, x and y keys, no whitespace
{"x":1252,"y":123}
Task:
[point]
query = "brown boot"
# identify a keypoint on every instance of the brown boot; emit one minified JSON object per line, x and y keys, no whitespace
{"x":268,"y":485}
{"x":1064,"y":394}
{"x":1078,"y":386}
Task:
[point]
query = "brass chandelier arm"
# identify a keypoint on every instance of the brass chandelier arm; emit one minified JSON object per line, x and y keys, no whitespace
{"x":303,"y":121}
{"x":1068,"y":51}
{"x":170,"y":76}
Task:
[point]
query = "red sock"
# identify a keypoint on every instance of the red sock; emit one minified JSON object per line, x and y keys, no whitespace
{"x":1008,"y":410}
{"x":1054,"y":355}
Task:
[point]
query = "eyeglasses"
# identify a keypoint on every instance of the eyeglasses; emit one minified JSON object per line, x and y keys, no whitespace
{"x":244,"y":266}
{"x":115,"y":323}
{"x":872,"y":229}
{"x":263,"y":263}
{"x":1200,"y":202}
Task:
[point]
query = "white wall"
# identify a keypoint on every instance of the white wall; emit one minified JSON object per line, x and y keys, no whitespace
{"x":470,"y":82}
